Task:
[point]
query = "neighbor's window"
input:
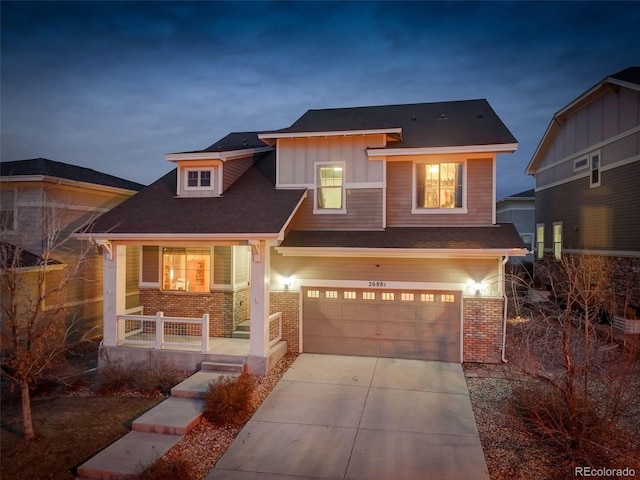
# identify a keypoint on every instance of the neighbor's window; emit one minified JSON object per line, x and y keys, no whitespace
{"x":540,"y":240}
{"x":527,"y":239}
{"x":187,"y":269}
{"x":595,"y":169}
{"x":557,"y":241}
{"x":329,"y":187}
{"x":439,"y":185}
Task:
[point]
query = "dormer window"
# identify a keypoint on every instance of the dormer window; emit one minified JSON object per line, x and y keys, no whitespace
{"x":199,"y":178}
{"x":199,"y":181}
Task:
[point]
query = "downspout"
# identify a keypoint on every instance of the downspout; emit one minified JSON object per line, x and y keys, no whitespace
{"x":504,"y":314}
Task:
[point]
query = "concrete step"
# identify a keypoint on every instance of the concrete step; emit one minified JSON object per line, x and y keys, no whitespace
{"x":127,"y":457}
{"x":197,"y":385}
{"x":244,"y":326}
{"x":240,"y":334}
{"x":222,"y":367}
{"x":174,"y":416}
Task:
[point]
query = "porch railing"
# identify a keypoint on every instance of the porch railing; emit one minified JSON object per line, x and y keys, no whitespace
{"x":150,"y":330}
{"x":275,"y":328}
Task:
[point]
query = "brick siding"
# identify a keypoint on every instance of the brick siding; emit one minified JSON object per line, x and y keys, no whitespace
{"x":289,"y":304}
{"x":483,"y":323}
{"x":226,"y":309}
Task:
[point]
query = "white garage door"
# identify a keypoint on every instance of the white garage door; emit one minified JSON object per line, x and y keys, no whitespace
{"x":384,"y":323}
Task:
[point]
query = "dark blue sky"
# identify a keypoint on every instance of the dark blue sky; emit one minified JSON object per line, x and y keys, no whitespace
{"x":116,"y":85}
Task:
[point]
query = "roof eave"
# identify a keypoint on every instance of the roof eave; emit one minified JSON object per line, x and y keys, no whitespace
{"x":492,"y":148}
{"x":329,"y":133}
{"x":66,"y":181}
{"x":176,"y":237}
{"x":223,"y":155}
{"x":401,"y":252}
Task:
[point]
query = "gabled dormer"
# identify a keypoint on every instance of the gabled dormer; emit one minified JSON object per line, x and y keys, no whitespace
{"x":209,"y":172}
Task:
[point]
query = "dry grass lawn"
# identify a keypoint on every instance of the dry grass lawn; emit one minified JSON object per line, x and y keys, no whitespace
{"x":69,"y":430}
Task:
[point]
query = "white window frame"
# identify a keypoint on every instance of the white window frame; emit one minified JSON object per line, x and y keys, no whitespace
{"x":597,"y":169}
{"x":330,"y":211}
{"x":584,"y":161}
{"x":199,"y":188}
{"x":557,"y":240}
{"x":540,"y":240}
{"x":428,"y":211}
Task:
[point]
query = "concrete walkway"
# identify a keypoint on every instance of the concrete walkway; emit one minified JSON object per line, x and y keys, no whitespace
{"x":340,"y":417}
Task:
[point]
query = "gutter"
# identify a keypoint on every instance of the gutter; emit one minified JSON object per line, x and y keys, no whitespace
{"x":504,"y":314}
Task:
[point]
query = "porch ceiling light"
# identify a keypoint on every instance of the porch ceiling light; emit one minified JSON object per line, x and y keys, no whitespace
{"x":476,"y":287}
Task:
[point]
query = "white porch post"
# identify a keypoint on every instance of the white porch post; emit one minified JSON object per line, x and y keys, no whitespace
{"x":114,"y":291}
{"x":259,"y":316}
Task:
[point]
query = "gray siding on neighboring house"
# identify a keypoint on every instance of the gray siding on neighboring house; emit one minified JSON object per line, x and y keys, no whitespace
{"x":601,"y":218}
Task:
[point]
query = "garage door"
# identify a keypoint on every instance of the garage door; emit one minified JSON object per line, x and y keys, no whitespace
{"x":385,"y":323}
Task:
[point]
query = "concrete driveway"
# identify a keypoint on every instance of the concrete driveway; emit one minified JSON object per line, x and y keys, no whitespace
{"x":341,"y":417}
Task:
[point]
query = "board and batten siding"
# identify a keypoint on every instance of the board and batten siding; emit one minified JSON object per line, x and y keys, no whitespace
{"x":479,"y":194}
{"x":364,"y":212}
{"x":436,"y":270}
{"x":607,"y":116}
{"x":296,"y":158}
{"x":599,"y":218}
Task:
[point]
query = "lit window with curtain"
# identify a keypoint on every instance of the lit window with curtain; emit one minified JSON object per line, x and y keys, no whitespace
{"x":329,"y":188}
{"x":439,"y":185}
{"x":186,"y":269}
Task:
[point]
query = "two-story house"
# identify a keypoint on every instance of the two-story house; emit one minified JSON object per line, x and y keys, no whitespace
{"x":42,"y":202}
{"x":359,"y":231}
{"x":587,"y":172}
{"x":519,"y":209}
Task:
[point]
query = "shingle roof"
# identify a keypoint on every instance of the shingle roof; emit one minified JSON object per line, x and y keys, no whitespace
{"x":250,"y":205}
{"x":234,"y":141}
{"x":500,"y":236}
{"x":631,"y":75}
{"x":441,"y":124}
{"x":46,"y":167}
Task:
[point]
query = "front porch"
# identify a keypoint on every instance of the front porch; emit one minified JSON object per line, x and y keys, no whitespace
{"x":199,"y":324}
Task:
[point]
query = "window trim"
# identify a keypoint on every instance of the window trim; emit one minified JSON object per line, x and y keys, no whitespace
{"x":210,"y":280}
{"x":540,"y":240}
{"x":597,"y":170}
{"x":185,"y":180}
{"x":438,"y":211}
{"x":557,"y":240}
{"x":329,"y":211}
{"x":586,"y":165}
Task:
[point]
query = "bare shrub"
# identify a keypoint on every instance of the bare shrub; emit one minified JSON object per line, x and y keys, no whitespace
{"x":229,"y":399}
{"x":583,"y":384}
{"x":165,"y":468}
{"x":156,"y":379}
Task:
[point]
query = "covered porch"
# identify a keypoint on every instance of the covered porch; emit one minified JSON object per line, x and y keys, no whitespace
{"x":199,"y":324}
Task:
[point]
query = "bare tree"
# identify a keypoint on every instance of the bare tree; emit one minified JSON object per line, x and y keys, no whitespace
{"x":35,"y":330}
{"x":585,"y":380}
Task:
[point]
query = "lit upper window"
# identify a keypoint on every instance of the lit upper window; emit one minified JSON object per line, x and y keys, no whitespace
{"x":329,"y":187}
{"x":438,"y":185}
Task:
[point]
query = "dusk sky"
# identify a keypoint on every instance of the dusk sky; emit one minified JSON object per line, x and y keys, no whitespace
{"x":115,"y":86}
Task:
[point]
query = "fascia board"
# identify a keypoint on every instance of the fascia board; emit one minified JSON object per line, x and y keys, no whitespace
{"x":67,"y":182}
{"x":281,"y":234}
{"x":333,"y":133}
{"x":224,"y":156}
{"x":401,"y":252}
{"x":171,"y":237}
{"x":495,"y":148}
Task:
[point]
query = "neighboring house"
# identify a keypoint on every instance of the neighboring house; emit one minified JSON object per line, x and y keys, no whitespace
{"x":41,"y":197}
{"x":519,"y":209}
{"x":359,"y":231}
{"x":587,"y":173}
